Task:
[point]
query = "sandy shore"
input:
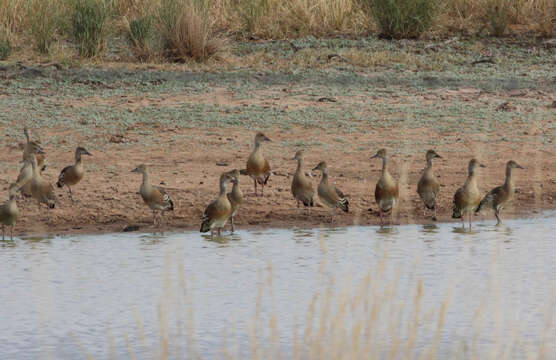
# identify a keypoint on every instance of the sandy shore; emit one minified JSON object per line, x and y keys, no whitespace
{"x":107,"y":198}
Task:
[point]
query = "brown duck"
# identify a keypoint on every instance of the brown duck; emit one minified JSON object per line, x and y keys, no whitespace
{"x":73,"y":174}
{"x":500,"y":195}
{"x":9,"y":212}
{"x":235,"y":196}
{"x":154,"y":197}
{"x":218,"y":212}
{"x":428,"y":187}
{"x":467,"y":197}
{"x":302,"y":188}
{"x":329,"y":195}
{"x":386,"y":190}
{"x":258,"y":167}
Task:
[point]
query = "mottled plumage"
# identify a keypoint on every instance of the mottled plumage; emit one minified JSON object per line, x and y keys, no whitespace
{"x":26,"y":172}
{"x":428,"y":187}
{"x":302,"y":188}
{"x":386,"y":190}
{"x":467,"y":197}
{"x":258,"y":167}
{"x":154,"y":197}
{"x":500,"y":195}
{"x":30,"y":148}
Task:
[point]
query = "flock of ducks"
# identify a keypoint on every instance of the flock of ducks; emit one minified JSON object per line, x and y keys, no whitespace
{"x":467,"y":199}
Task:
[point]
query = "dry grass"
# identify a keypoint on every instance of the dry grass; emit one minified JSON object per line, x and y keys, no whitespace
{"x":194,"y":29}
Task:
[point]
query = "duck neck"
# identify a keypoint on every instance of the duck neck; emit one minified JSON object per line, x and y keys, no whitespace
{"x":34,"y":165}
{"x":222,"y":188}
{"x":27,"y":137}
{"x":77,"y":158}
{"x":471,"y":178}
{"x":258,"y":146}
{"x":509,"y":184}
{"x":384,"y":165}
{"x":324,"y":179}
{"x":299,"y":165}
{"x":235,"y":187}
{"x":146,"y":180}
{"x":429,"y":163}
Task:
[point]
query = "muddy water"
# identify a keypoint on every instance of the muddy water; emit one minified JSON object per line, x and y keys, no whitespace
{"x":489,"y":292}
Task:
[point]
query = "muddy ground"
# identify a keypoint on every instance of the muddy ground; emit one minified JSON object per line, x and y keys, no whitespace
{"x":191,"y":126}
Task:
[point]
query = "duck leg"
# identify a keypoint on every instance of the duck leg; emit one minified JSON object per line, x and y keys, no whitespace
{"x":2,"y":232}
{"x":255,"y":183}
{"x":12,"y":232}
{"x":219,"y":231}
{"x":462,"y":218}
{"x":69,"y":193}
{"x":380,"y":214}
{"x":392,"y":216}
{"x":498,"y":220}
{"x":434,"y":218}
{"x":232,"y":223}
{"x":470,"y":219}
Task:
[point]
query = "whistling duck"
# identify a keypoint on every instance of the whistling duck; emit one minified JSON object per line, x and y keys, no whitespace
{"x":235,"y":196}
{"x":302,"y":188}
{"x":41,"y":190}
{"x":329,"y":195}
{"x":257,"y":166}
{"x":9,"y":211}
{"x":155,"y":197}
{"x":217,"y":212}
{"x":500,"y":195}
{"x":428,"y":187}
{"x":467,"y":197}
{"x":26,"y":172}
{"x":386,"y":190}
{"x":30,"y":147}
{"x":72,"y":174}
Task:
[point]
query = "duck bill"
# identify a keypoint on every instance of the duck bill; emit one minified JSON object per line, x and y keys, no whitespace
{"x":374,"y":156}
{"x":88,"y":153}
{"x":482,"y":165}
{"x":267,"y":139}
{"x":437,"y":156}
{"x":135,"y":170}
{"x":519,"y":166}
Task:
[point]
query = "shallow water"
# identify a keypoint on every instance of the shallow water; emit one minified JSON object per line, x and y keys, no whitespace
{"x":483,"y":293}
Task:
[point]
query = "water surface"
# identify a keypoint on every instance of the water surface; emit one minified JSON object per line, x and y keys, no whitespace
{"x":275,"y":292}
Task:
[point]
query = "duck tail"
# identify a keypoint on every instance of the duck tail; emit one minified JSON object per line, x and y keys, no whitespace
{"x":60,"y":183}
{"x":205,"y":227}
{"x":309,"y":202}
{"x":344,"y":205}
{"x":243,"y":172}
{"x":171,"y":207}
{"x":456,"y":212}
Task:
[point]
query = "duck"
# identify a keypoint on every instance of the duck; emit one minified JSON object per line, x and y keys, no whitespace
{"x":500,"y":195}
{"x":73,"y":174}
{"x":30,"y":147}
{"x":428,"y":187}
{"x":9,"y":212}
{"x":218,"y":212}
{"x":330,"y":196}
{"x":302,"y":188}
{"x":41,"y":190}
{"x":467,"y":197}
{"x":386,"y":189}
{"x":154,"y":197}
{"x":26,"y":171}
{"x":258,"y":167}
{"x":235,"y":196}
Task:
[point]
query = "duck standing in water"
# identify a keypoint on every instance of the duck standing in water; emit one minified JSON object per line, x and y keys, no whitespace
{"x":386,"y":190}
{"x":218,"y":212}
{"x":235,"y":196}
{"x":500,"y":195}
{"x":428,"y":187}
{"x":467,"y":197}
{"x":154,"y":197}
